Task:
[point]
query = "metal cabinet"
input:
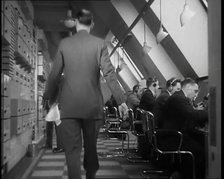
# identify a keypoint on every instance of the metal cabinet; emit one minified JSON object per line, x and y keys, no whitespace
{"x":6,"y":129}
{"x":7,"y":30}
{"x":16,"y":125}
{"x":6,"y":109}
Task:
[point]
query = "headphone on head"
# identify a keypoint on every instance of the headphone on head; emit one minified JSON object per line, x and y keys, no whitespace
{"x":136,"y":88}
{"x":172,"y":82}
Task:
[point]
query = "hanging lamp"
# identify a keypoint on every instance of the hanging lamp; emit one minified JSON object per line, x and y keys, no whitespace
{"x":145,"y":47}
{"x":186,"y":14}
{"x":161,"y":34}
{"x":69,"y":22}
{"x":118,"y":69}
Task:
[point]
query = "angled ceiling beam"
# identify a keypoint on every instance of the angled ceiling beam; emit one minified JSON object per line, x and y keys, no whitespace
{"x":141,"y":13}
{"x":168,"y":43}
{"x":115,"y":22}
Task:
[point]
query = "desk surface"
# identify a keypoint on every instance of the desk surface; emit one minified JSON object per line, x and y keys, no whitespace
{"x":203,"y":130}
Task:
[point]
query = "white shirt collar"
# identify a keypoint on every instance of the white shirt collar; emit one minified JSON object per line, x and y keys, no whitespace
{"x":168,"y":92}
{"x":153,"y":93}
{"x":184,"y":93}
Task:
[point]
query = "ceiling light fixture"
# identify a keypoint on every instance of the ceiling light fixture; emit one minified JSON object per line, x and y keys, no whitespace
{"x":161,"y":34}
{"x":69,"y":22}
{"x":186,"y":14}
{"x":145,"y":47}
{"x":118,"y":69}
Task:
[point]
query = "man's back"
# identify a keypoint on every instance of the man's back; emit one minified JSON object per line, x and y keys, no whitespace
{"x":81,"y":57}
{"x":160,"y":102}
{"x":147,"y":101}
{"x":81,"y":95}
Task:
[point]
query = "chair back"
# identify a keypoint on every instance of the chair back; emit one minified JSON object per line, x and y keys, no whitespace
{"x":169,"y":142}
{"x":166,"y":140}
{"x":138,"y":114}
{"x":137,"y":122}
{"x":148,"y":125}
{"x":112,"y":113}
{"x":131,"y":118}
{"x":105,"y":111}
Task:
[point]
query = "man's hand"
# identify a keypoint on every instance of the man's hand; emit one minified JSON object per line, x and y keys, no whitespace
{"x":123,"y":110}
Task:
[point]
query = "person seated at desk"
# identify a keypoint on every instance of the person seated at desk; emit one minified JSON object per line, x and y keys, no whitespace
{"x":133,"y":99}
{"x":172,"y":85}
{"x":147,"y":102}
{"x":179,"y":114}
{"x":148,"y":99}
{"x":110,"y":104}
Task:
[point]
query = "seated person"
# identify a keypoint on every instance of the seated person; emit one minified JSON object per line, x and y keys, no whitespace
{"x":50,"y":125}
{"x":147,"y":102}
{"x":172,"y":85}
{"x":133,"y":99}
{"x":148,"y":99}
{"x":110,"y":104}
{"x":179,"y":114}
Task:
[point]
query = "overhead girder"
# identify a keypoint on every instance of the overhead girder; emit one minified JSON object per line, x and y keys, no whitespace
{"x":132,"y":46}
{"x":168,"y":43}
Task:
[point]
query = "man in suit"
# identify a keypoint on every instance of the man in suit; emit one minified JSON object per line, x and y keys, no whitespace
{"x":172,"y":85}
{"x":81,"y":57}
{"x":148,"y":98}
{"x":179,"y":114}
{"x":147,"y":102}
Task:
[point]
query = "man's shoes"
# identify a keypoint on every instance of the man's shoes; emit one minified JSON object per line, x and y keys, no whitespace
{"x":57,"y":150}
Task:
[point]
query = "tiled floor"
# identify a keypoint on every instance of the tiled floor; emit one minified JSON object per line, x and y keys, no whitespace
{"x":53,"y":166}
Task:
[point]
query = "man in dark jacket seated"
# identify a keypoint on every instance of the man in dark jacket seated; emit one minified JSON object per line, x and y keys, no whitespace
{"x":147,"y":102}
{"x":172,"y":85}
{"x":179,"y":114}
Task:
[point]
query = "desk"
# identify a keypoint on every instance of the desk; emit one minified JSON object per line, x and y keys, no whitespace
{"x":202,"y":130}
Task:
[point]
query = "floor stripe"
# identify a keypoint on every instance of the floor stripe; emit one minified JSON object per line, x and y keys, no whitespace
{"x":53,"y":165}
{"x":29,"y":170}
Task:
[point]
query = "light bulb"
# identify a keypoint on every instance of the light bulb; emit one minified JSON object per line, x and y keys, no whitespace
{"x":69,"y":23}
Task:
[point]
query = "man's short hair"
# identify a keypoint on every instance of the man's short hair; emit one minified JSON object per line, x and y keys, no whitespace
{"x":188,"y":81}
{"x":172,"y":81}
{"x":151,"y":81}
{"x":85,"y":17}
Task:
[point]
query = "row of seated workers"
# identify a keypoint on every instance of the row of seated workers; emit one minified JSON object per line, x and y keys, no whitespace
{"x":173,"y":108}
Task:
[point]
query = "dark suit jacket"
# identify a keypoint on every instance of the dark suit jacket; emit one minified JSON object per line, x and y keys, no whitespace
{"x":162,"y":98}
{"x":80,"y":58}
{"x":160,"y":102}
{"x":179,"y":114}
{"x":147,"y":101}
